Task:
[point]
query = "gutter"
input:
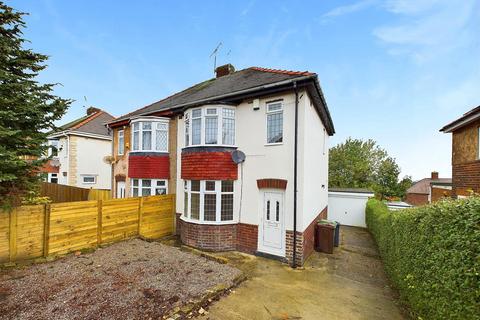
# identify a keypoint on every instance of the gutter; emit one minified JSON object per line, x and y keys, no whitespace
{"x":295,"y":182}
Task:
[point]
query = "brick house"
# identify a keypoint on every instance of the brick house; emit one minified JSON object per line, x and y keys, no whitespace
{"x":429,"y":190}
{"x":79,"y":150}
{"x":275,"y":124}
{"x":465,"y":153}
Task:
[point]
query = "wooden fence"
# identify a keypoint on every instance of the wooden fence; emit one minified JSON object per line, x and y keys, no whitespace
{"x":30,"y":232}
{"x":63,"y":193}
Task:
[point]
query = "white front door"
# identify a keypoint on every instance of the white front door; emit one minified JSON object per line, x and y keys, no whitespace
{"x":271,"y":235}
{"x":120,"y":189}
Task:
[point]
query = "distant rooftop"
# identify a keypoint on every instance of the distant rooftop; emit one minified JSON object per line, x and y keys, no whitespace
{"x":94,"y":122}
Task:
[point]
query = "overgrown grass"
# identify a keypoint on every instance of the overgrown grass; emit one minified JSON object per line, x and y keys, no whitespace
{"x":432,"y":255}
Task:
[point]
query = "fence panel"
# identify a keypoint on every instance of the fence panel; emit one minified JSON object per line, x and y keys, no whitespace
{"x":99,"y":194}
{"x":73,"y":226}
{"x":62,"y":193}
{"x":119,"y":219}
{"x":157,"y":218}
{"x":29,"y":232}
{"x":4,"y":236}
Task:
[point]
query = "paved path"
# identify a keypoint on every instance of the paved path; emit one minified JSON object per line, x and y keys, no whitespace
{"x":350,"y":284}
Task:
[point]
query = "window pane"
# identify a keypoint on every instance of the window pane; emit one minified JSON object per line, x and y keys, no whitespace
{"x":227,"y":207}
{"x":196,"y":113}
{"x":196,"y":129}
{"x":228,"y":113}
{"x":135,"y":182}
{"x":211,"y":111}
{"x":136,"y":136}
{"x":160,"y":191}
{"x":277,"y":218}
{"x":161,"y":140}
{"x":228,"y":131}
{"x":135,"y":192}
{"x":146,"y":192}
{"x":185,"y":205}
{"x":275,"y":128}
{"x":146,"y":183}
{"x":268,"y":210}
{"x":120,"y":142}
{"x":227,"y":186}
{"x":160,"y":182}
{"x":187,"y":130}
{"x":210,"y":185}
{"x":136,"y":126}
{"x":195,"y":211}
{"x":195,"y":185}
{"x":209,"y":207}
{"x":274,"y":107}
{"x":147,"y":125}
{"x":147,"y":140}
{"x":211,"y":130}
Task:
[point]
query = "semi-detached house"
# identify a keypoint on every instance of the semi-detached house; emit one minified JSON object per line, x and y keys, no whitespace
{"x":246,"y":154}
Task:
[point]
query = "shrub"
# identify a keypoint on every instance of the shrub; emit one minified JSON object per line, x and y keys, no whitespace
{"x":432,"y":255}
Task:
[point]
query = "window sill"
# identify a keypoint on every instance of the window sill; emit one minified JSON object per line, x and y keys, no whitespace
{"x":212,"y":223}
{"x":273,"y":144}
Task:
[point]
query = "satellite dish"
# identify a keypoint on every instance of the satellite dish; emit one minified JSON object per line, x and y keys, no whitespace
{"x":238,"y":156}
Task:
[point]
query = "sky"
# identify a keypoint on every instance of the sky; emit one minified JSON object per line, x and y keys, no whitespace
{"x":394,"y":71}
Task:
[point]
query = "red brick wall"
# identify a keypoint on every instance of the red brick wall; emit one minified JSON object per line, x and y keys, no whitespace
{"x":466,"y":176}
{"x":272,"y":183}
{"x":209,"y":237}
{"x":417,"y":199}
{"x":305,"y":240}
{"x":440,"y":193}
{"x":247,"y":238}
{"x":47,"y":167}
{"x":149,"y":166}
{"x":208,"y":166}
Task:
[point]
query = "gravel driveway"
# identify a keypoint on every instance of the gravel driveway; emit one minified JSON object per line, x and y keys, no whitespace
{"x":134,"y":279}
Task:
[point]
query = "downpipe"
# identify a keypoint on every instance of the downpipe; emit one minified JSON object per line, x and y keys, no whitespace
{"x":295,"y":165}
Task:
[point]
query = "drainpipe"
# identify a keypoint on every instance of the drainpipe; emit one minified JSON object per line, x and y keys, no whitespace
{"x":295,"y":165}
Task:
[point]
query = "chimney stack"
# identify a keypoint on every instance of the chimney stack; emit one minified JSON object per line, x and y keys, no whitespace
{"x":91,"y":110}
{"x":434,"y":175}
{"x":224,"y":70}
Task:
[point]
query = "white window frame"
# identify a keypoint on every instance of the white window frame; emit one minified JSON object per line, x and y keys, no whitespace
{"x":154,"y":122}
{"x":51,"y":176}
{"x":153,"y":186}
{"x":218,"y":209}
{"x":89,"y":176}
{"x":270,"y":112}
{"x":121,"y":142}
{"x":188,"y":126}
{"x":53,"y":143}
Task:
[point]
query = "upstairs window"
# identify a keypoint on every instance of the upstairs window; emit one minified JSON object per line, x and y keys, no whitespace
{"x":150,"y":136}
{"x":274,"y":122}
{"x":210,"y":126}
{"x":121,"y":142}
{"x":53,"y":150}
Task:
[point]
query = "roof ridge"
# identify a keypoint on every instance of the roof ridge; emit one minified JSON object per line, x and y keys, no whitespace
{"x":282,"y":71}
{"x":90,"y":118}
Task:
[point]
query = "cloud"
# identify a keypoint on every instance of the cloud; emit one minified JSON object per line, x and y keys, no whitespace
{"x":248,"y":8}
{"x":429,"y":27}
{"x":347,"y":9}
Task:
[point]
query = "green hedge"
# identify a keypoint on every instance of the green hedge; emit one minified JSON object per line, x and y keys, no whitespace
{"x":432,"y":255}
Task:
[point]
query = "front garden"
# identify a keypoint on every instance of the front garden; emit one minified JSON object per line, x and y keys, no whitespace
{"x":432,"y":255}
{"x":133,"y":279}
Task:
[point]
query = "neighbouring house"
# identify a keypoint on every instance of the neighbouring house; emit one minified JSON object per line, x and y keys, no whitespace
{"x":465,"y":153}
{"x":429,"y":190}
{"x":79,"y":151}
{"x":233,"y":149}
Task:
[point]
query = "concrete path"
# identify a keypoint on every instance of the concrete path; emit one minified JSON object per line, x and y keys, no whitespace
{"x":350,"y":284}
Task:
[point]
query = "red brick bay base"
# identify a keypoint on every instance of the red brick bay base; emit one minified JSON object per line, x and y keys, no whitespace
{"x":305,"y":240}
{"x":242,"y":237}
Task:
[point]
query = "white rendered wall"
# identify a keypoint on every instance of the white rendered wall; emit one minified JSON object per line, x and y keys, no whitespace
{"x":63,"y":159}
{"x":90,"y":161}
{"x":313,"y":164}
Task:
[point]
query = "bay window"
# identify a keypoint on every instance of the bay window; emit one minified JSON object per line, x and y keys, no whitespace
{"x":209,"y":201}
{"x":274,"y":122}
{"x":210,"y":125}
{"x":148,"y":187}
{"x":150,"y":135}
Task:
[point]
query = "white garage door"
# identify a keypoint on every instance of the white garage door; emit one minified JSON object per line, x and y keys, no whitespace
{"x":348,"y":207}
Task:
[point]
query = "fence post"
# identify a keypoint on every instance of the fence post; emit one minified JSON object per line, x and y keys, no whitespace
{"x":46,"y":228}
{"x":99,"y":222}
{"x":13,"y":235}
{"x":140,"y":215}
{"x":174,"y":213}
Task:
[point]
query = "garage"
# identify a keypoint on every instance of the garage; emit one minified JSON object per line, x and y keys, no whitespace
{"x":347,"y":206}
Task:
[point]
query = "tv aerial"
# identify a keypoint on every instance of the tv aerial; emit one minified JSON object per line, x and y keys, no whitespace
{"x":214,"y":55}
